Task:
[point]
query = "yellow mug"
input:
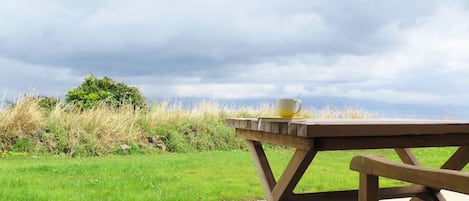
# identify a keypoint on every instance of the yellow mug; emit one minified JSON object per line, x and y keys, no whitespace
{"x":288,"y":107}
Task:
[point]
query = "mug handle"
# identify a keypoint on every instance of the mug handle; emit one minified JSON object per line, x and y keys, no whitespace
{"x":299,"y":105}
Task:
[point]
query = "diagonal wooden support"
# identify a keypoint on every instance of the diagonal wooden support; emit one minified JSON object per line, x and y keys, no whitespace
{"x":408,"y":157}
{"x":290,"y":177}
{"x":458,"y":160}
{"x":293,"y":173}
{"x":264,"y":171}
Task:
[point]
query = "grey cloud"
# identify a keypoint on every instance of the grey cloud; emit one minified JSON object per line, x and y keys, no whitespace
{"x":160,"y":44}
{"x":156,"y":37}
{"x":360,"y":26}
{"x":18,"y":78}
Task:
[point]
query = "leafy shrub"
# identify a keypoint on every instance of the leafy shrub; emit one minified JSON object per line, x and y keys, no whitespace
{"x":94,"y":91}
{"x":47,"y":103}
{"x":23,"y":145}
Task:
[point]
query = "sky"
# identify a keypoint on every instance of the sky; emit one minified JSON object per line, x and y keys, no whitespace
{"x":393,"y":51}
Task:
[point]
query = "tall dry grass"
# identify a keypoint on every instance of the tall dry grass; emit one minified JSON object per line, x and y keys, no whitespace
{"x":98,"y":131}
{"x":20,"y":121}
{"x":102,"y":130}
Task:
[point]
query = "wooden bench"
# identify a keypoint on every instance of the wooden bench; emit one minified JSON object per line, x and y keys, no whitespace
{"x":372,"y":167}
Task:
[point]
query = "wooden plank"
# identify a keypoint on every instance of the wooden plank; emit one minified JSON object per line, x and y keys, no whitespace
{"x":254,"y":125}
{"x":275,"y":128}
{"x":350,"y":143}
{"x":244,"y":124}
{"x":293,"y":129}
{"x":228,"y":122}
{"x":267,"y":126}
{"x":239,"y":122}
{"x":302,"y":130}
{"x":272,"y":124}
{"x":435,"y":178}
{"x":236,"y":123}
{"x":332,"y":130}
{"x":401,"y":192}
{"x":279,"y":139}
{"x":427,"y":196}
{"x":383,"y":142}
{"x":283,"y":128}
{"x":352,"y":195}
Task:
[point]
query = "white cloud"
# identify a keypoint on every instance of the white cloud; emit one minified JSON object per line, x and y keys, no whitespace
{"x":431,"y":67}
{"x":224,"y":91}
{"x":443,"y":38}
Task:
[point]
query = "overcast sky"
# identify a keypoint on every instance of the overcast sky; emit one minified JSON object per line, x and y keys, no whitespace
{"x":395,"y":51}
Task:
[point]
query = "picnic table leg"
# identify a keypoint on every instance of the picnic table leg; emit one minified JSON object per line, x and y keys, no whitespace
{"x":283,"y":190}
{"x":293,"y":173}
{"x":263,"y":168}
{"x":368,"y":188}
{"x":407,"y":156}
{"x":456,"y":162}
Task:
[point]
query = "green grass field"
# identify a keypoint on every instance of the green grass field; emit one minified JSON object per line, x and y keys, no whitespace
{"x":214,"y":175}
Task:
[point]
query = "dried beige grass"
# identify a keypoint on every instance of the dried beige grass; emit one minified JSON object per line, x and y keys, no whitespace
{"x":22,"y":119}
{"x":104,"y":130}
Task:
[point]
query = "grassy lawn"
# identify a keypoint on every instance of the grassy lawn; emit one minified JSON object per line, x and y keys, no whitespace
{"x":215,"y":175}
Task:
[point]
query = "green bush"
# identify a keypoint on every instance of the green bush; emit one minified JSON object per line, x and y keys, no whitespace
{"x":94,"y":91}
{"x":204,"y":134}
{"x":23,"y":145}
{"x":47,"y":103}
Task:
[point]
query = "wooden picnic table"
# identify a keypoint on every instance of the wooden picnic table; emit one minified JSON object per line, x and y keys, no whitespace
{"x":309,"y":136}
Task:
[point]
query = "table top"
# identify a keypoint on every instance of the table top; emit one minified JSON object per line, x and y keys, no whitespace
{"x":350,"y":127}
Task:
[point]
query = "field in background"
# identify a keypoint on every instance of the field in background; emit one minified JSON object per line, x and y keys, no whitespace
{"x":166,"y":125}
